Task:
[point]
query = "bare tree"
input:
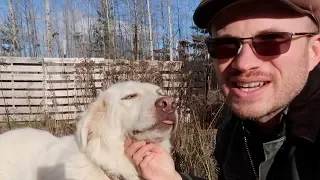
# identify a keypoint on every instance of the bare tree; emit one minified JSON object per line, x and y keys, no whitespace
{"x":108,"y":40}
{"x":33,"y":33}
{"x":56,"y":35}
{"x":142,"y":30}
{"x":48,"y":29}
{"x":164,"y":40}
{"x":66,"y":26}
{"x":108,"y":30}
{"x":113,"y":29}
{"x":14,"y":29}
{"x":130,"y":37}
{"x":136,"y":32}
{"x":170,"y":31}
{"x":150,"y":31}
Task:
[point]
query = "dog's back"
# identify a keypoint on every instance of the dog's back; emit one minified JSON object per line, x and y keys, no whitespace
{"x":20,"y":150}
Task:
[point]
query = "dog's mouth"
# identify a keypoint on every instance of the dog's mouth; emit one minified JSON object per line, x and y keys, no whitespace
{"x":161,"y":126}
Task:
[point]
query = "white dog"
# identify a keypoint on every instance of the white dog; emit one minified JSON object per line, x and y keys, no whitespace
{"x":96,"y":151}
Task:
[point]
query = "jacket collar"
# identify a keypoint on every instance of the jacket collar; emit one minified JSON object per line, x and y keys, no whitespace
{"x":304,"y":110}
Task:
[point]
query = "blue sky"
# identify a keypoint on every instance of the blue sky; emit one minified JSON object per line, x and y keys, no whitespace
{"x":186,"y":9}
{"x":40,"y":3}
{"x":3,"y":10}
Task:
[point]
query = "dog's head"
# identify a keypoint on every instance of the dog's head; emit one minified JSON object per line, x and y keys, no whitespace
{"x":129,"y":109}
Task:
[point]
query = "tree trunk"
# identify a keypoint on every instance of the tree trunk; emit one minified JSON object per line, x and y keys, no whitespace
{"x":14,"y":29}
{"x":150,"y":31}
{"x":113,"y":29}
{"x":142,"y":32}
{"x":28,"y":26}
{"x":130,"y":37}
{"x":108,"y":29}
{"x":170,"y":31}
{"x":66,"y":25}
{"x":120,"y":46}
{"x":33,"y":29}
{"x":22,"y":39}
{"x":163,"y":54}
{"x":48,"y":26}
{"x":57,"y":35}
{"x":136,"y":32}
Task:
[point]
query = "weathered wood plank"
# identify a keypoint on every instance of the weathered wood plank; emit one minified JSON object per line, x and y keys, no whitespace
{"x":40,"y":85}
{"x":24,"y":60}
{"x":72,"y":60}
{"x":39,"y":117}
{"x":37,"y":94}
{"x":21,"y":85}
{"x":20,"y":68}
{"x":42,"y":101}
{"x":38,"y":68}
{"x":41,"y":77}
{"x":32,"y":109}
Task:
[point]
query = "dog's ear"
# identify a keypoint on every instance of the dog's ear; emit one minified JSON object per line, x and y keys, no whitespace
{"x":90,"y":121}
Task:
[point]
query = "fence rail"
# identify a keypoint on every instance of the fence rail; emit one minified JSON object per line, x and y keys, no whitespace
{"x":32,"y":88}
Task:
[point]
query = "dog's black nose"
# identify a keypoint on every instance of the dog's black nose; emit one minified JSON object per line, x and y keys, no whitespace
{"x":166,"y":104}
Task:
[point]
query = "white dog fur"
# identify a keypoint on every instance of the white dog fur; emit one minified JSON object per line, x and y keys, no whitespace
{"x":96,"y":150}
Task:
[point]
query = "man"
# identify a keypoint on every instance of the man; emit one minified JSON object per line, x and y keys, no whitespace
{"x":266,"y":55}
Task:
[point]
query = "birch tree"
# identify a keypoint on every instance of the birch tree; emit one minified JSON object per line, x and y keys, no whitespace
{"x":32,"y":29}
{"x":109,"y":43}
{"x":142,"y":30}
{"x":150,"y":30}
{"x":14,"y":29}
{"x":66,"y":26}
{"x":56,"y":34}
{"x":108,"y":29}
{"x":130,"y":16}
{"x":113,"y":29}
{"x":164,"y":40}
{"x":136,"y":32}
{"x":170,"y":31}
{"x":48,"y":30}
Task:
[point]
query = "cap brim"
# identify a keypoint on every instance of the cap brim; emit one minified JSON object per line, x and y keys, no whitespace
{"x":210,"y":8}
{"x":206,"y":10}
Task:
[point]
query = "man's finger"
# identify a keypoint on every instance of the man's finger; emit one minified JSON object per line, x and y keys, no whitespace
{"x":142,"y":152}
{"x":134,"y":147}
{"x":146,"y":160}
{"x":127,"y":143}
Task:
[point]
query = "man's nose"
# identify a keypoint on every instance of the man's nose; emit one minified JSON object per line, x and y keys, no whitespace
{"x":246,"y":59}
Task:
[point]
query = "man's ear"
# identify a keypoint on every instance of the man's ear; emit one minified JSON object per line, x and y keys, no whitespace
{"x":314,"y":52}
{"x":90,"y":121}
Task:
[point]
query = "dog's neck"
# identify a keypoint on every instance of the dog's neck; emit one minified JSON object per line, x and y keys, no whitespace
{"x":110,"y":156}
{"x":112,"y":176}
{"x":111,"y":159}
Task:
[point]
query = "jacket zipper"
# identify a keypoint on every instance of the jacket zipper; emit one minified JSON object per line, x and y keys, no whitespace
{"x":249,"y":154}
{"x":250,"y":158}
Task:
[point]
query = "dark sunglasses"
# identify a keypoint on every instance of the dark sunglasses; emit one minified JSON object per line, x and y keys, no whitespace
{"x":266,"y":44}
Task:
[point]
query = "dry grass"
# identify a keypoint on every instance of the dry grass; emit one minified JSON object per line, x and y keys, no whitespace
{"x":200,"y":108}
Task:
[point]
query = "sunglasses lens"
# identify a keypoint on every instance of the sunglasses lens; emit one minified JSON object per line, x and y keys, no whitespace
{"x":222,"y":48}
{"x":272,"y":44}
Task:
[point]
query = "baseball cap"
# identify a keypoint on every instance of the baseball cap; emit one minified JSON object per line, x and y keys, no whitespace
{"x":208,"y":9}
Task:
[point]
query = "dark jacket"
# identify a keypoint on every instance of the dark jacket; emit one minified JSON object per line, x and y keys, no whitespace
{"x":296,"y":157}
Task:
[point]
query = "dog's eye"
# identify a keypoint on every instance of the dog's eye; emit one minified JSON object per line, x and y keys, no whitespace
{"x":129,"y":96}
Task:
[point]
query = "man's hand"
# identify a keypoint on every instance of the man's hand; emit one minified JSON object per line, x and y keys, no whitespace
{"x":153,"y":161}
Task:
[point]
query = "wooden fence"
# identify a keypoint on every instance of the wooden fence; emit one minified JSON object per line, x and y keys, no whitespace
{"x":32,"y":89}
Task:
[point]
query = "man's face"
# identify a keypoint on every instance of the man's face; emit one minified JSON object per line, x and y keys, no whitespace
{"x":255,"y":86}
